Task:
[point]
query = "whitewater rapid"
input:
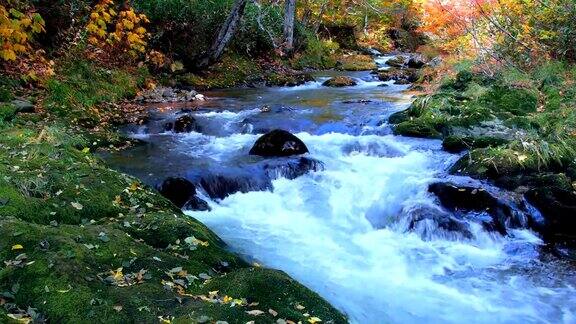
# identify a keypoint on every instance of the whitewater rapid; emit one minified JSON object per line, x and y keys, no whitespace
{"x":339,"y":232}
{"x":348,"y":231}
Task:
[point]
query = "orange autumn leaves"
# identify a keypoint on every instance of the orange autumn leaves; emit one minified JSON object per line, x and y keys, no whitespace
{"x":16,"y":31}
{"x":518,"y":30}
{"x":121,"y":31}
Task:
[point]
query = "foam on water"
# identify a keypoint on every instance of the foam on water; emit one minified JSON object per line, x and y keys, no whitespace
{"x":319,"y":228}
{"x":348,"y":232}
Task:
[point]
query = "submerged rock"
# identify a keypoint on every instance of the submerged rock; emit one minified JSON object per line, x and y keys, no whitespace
{"x":292,"y":168}
{"x":183,"y":124}
{"x":278,"y":143}
{"x":470,"y":199}
{"x":558,"y":209}
{"x":433,"y":223}
{"x":339,"y":82}
{"x":197,"y":204}
{"x":219,"y":186}
{"x":177,"y":190}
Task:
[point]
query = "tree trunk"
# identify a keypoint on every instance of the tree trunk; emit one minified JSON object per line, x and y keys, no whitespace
{"x":225,"y":34}
{"x":289,"y":13}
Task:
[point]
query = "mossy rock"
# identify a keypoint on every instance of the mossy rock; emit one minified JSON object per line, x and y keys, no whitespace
{"x":418,"y":128}
{"x":356,"y":62}
{"x":457,"y":144}
{"x":340,"y":82}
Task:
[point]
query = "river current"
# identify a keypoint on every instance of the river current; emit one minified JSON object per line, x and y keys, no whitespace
{"x":348,"y":230}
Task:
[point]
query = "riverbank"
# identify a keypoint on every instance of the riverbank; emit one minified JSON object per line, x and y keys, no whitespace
{"x":84,"y":243}
{"x":517,"y":131}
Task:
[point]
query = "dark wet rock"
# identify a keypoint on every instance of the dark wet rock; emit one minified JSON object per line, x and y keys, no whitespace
{"x":219,"y":186}
{"x":400,"y":76}
{"x":416,"y":62}
{"x":292,"y":168}
{"x":433,"y":223}
{"x":558,"y":209}
{"x":278,"y":143}
{"x":196,"y":204}
{"x":397,"y":61}
{"x":177,"y":190}
{"x":183,"y":124}
{"x":339,"y":82}
{"x":471,"y":199}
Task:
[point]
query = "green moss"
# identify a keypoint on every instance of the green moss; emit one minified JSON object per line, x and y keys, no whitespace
{"x":8,"y":88}
{"x":7,"y":112}
{"x":77,"y":221}
{"x":424,"y":128}
{"x":319,"y":54}
{"x":519,"y":102}
{"x":262,"y":286}
{"x":356,"y":62}
{"x":457,"y":144}
{"x":233,"y":70}
{"x":81,"y":85}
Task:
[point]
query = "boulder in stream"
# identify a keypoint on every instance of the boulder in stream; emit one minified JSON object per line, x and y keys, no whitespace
{"x":183,"y":124}
{"x":220,"y":186}
{"x":340,"y":82}
{"x":292,"y":168}
{"x":416,"y":62}
{"x":558,"y":209}
{"x":457,"y":198}
{"x":400,"y":76}
{"x":182,"y":193}
{"x":177,"y":190}
{"x":397,"y":61}
{"x":278,"y":143}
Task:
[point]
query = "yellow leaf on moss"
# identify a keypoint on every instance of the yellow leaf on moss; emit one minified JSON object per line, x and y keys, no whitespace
{"x":17,"y":247}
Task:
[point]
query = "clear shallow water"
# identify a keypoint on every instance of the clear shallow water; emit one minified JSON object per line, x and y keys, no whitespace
{"x":346,"y":232}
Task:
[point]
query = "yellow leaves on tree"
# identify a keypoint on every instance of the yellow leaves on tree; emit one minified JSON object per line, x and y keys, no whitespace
{"x":121,"y":31}
{"x":16,"y":30}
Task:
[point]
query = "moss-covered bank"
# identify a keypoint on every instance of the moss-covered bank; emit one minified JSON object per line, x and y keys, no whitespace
{"x":512,"y":124}
{"x":518,"y":131}
{"x":83,"y":243}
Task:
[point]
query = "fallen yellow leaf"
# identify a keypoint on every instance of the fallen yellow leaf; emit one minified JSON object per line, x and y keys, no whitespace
{"x":17,"y":247}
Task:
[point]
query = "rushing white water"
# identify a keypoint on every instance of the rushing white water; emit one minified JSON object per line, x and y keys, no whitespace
{"x":351,"y":232}
{"x":320,"y":229}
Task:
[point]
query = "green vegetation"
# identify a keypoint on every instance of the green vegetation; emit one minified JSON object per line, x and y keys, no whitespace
{"x":80,"y":86}
{"x":70,"y":224}
{"x":513,"y":123}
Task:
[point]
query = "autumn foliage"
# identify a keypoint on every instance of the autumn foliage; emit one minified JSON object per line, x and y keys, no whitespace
{"x":16,"y":31}
{"x":120,"y":32}
{"x":514,"y":32}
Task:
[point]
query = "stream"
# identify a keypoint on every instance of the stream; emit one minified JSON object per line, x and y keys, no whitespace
{"x":353,"y":229}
